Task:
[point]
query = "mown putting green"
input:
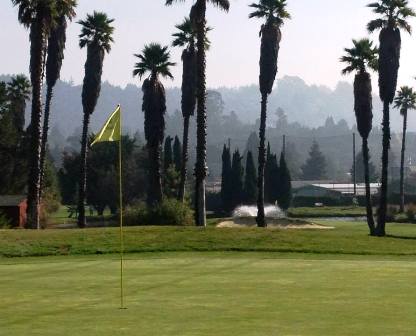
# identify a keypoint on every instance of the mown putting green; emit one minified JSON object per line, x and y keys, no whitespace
{"x":200,"y":293}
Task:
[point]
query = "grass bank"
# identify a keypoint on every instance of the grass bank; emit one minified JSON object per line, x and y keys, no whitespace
{"x":347,"y":238}
{"x":326,"y":211}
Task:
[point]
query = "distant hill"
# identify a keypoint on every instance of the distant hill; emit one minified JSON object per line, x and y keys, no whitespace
{"x":301,"y":112}
{"x":310,"y":105}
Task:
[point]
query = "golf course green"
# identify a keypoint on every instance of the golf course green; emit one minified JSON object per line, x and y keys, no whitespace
{"x":217,"y":292}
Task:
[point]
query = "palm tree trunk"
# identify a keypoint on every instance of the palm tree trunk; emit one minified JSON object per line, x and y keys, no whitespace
{"x":154,"y":195}
{"x":185,"y":140}
{"x":261,"y":220}
{"x":38,"y":40}
{"x":369,"y":205}
{"x":382,"y":210}
{"x":201,"y":118}
{"x":45,"y":131}
{"x":82,"y":191}
{"x":402,"y":162}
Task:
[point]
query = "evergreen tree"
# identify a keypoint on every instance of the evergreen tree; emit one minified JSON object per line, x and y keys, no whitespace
{"x":237,"y":176}
{"x":271,"y":177}
{"x":285,"y":184}
{"x":8,"y":140}
{"x":14,"y":144}
{"x":315,"y":166}
{"x":226,"y":179}
{"x":177,"y":154}
{"x":102,"y":189}
{"x":359,"y":169}
{"x":18,"y":91}
{"x":252,"y":146}
{"x":168,"y":154}
{"x":250,"y":180}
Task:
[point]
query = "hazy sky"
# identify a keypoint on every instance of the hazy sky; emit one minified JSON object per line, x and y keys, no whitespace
{"x":312,"y":41}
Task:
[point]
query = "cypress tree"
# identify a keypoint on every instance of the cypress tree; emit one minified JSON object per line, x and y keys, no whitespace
{"x":315,"y":166}
{"x":271,"y":177}
{"x":359,"y":169}
{"x":285,"y":184}
{"x":177,"y":154}
{"x":226,"y":179}
{"x":250,"y":181}
{"x":237,"y":176}
{"x":168,"y":155}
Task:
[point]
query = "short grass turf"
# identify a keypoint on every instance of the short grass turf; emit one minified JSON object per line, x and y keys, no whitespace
{"x":198,"y":294}
{"x":347,"y":238}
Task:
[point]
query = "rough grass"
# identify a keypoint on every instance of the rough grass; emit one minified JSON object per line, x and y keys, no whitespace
{"x":205,"y":294}
{"x":327,"y":211}
{"x":347,"y":238}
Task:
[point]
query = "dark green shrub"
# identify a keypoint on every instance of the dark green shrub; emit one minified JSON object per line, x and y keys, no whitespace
{"x":170,"y":212}
{"x":411,"y":213}
{"x":5,"y":222}
{"x":392,"y":212}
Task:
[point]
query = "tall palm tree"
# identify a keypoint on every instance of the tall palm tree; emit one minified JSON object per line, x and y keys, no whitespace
{"x":96,"y":35}
{"x":359,"y":59}
{"x":56,"y":47}
{"x":393,"y":17}
{"x":186,"y":37}
{"x":274,"y":12}
{"x":154,"y":60}
{"x":197,"y":16}
{"x":405,"y":101}
{"x":18,"y":91}
{"x":39,"y":16}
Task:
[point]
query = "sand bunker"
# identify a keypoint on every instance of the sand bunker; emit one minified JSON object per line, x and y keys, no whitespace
{"x":274,"y":223}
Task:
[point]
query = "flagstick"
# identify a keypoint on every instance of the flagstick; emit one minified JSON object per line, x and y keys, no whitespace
{"x":121,"y":220}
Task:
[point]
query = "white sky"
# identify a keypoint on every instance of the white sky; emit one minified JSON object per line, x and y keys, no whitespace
{"x":312,"y":41}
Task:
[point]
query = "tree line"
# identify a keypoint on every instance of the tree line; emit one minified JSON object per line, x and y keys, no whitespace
{"x":239,"y":180}
{"x":48,"y":19}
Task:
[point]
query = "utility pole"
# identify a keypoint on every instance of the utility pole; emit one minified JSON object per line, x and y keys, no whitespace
{"x":354,"y":177}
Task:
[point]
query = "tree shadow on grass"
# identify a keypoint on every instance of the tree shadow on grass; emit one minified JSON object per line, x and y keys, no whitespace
{"x":401,"y":237}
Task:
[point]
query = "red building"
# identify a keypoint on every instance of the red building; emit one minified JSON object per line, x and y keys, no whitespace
{"x":14,"y":208}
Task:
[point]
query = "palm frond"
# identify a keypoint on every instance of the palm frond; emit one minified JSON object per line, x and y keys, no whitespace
{"x":362,"y":56}
{"x":392,"y":13}
{"x":271,"y":10}
{"x":155,"y":60}
{"x":221,"y":4}
{"x":97,"y":29}
{"x":405,"y":99}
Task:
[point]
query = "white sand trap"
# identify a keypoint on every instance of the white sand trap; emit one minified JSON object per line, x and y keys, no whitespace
{"x":280,"y":223}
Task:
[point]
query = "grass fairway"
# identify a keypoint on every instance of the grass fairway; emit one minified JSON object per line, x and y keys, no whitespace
{"x":208,"y":294}
{"x":191,"y":281}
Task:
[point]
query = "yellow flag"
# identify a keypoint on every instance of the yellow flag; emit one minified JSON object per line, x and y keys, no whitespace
{"x":111,"y":130}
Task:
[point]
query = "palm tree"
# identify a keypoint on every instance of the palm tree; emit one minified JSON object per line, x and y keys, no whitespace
{"x":154,"y":60}
{"x":405,"y":101}
{"x":56,"y":46}
{"x":393,"y":17}
{"x":359,"y":59}
{"x":197,"y":17}
{"x":96,"y":35}
{"x":274,"y":12}
{"x":186,"y":37}
{"x":39,"y":16}
{"x":18,"y":91}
